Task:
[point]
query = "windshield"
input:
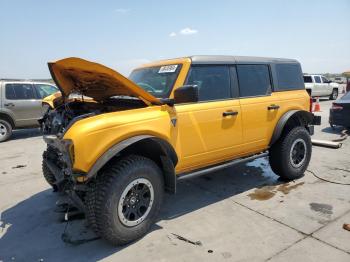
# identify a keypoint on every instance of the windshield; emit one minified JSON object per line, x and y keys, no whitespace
{"x":158,"y":80}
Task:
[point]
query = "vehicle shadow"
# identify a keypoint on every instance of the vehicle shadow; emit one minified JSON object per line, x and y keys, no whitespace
{"x":25,"y":133}
{"x":31,"y":230}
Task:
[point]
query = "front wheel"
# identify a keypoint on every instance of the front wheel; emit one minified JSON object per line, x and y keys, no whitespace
{"x":291,"y":154}
{"x":128,"y":198}
{"x":334,"y":94}
{"x":48,"y":175}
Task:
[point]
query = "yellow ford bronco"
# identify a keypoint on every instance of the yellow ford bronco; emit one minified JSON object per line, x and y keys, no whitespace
{"x":116,"y":144}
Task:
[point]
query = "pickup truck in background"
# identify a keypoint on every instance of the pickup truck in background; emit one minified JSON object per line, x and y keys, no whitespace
{"x":340,"y":80}
{"x":318,"y":85}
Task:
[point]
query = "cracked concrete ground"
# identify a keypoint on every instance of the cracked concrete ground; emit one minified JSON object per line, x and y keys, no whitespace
{"x":238,"y":214}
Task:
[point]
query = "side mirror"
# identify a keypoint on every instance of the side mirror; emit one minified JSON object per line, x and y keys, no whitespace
{"x":186,"y":94}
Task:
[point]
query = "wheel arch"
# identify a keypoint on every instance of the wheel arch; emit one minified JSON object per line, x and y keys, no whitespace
{"x":8,"y":118}
{"x":155,"y":148}
{"x":291,"y":119}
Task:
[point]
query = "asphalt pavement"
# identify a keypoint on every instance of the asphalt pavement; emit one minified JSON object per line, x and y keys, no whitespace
{"x":244,"y":213}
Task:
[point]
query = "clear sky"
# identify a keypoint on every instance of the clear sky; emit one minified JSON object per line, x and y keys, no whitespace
{"x":124,"y":34}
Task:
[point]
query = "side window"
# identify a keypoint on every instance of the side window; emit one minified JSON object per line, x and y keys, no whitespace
{"x":45,"y":90}
{"x":289,"y":77}
{"x":10,"y":92}
{"x":307,"y":79}
{"x":324,"y":80}
{"x":213,"y":82}
{"x":254,"y":80}
{"x":317,"y":79}
{"x":19,"y":91}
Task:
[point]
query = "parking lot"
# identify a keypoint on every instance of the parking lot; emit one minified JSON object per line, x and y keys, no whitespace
{"x":243,"y":213}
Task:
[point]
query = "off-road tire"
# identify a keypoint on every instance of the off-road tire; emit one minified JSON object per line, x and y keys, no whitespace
{"x":334,"y":94}
{"x":48,"y":175}
{"x":6,"y":130}
{"x":90,"y":200}
{"x":280,"y":154}
{"x":110,"y":185}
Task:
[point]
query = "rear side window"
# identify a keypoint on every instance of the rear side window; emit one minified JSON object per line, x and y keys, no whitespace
{"x":307,"y":79}
{"x":213,"y":82}
{"x":254,"y":80}
{"x":317,"y":79}
{"x":19,"y":91}
{"x":289,"y":77}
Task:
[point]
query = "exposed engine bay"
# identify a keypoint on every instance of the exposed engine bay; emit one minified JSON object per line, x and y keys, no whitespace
{"x":56,"y":121}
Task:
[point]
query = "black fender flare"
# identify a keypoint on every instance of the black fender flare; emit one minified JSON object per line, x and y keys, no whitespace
{"x":306,"y":116}
{"x":168,"y":158}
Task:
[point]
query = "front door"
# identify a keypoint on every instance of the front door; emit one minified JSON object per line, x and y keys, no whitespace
{"x":319,"y":88}
{"x":327,"y":89}
{"x":210,"y":130}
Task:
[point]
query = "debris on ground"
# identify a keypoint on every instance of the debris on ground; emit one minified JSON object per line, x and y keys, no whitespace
{"x":196,"y":243}
{"x":326,"y":143}
{"x":66,"y":238}
{"x":19,"y":166}
{"x":343,"y":136}
{"x":346,"y":227}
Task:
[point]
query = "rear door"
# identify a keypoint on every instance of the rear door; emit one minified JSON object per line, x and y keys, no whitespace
{"x":209,"y":131}
{"x":22,"y":101}
{"x":258,"y":104}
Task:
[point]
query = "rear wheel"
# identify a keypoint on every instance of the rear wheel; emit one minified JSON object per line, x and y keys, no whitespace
{"x":334,"y":94}
{"x":127,"y":199}
{"x":5,"y":130}
{"x":291,"y":154}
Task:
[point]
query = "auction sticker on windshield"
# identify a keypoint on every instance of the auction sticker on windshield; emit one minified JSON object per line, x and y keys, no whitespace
{"x":167,"y":69}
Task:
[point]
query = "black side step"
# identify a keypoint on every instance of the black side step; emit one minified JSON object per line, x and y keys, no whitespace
{"x":210,"y":169}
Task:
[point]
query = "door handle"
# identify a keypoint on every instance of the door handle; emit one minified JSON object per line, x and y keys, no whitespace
{"x":9,"y":104}
{"x":229,"y":113}
{"x":273,"y":107}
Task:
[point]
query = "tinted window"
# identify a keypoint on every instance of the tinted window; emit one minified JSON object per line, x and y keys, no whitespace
{"x":213,"y":82}
{"x":45,"y":90}
{"x":254,"y":80}
{"x":289,"y":77}
{"x":317,"y":79}
{"x":19,"y":91}
{"x":307,"y":79}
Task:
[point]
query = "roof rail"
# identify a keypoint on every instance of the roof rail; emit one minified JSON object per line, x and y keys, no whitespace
{"x":14,"y":79}
{"x":27,"y":80}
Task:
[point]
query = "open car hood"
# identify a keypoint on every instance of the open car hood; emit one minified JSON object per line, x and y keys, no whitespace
{"x":76,"y":75}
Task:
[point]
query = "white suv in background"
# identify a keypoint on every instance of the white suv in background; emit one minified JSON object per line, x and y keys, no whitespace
{"x":318,"y":85}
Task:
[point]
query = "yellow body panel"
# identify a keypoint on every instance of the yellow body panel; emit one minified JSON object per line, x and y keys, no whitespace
{"x":201,"y":135}
{"x":51,"y":98}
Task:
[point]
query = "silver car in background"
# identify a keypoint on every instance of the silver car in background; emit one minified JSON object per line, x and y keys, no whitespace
{"x":20,"y":104}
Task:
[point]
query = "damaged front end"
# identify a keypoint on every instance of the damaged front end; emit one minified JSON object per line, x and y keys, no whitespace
{"x":87,"y":90}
